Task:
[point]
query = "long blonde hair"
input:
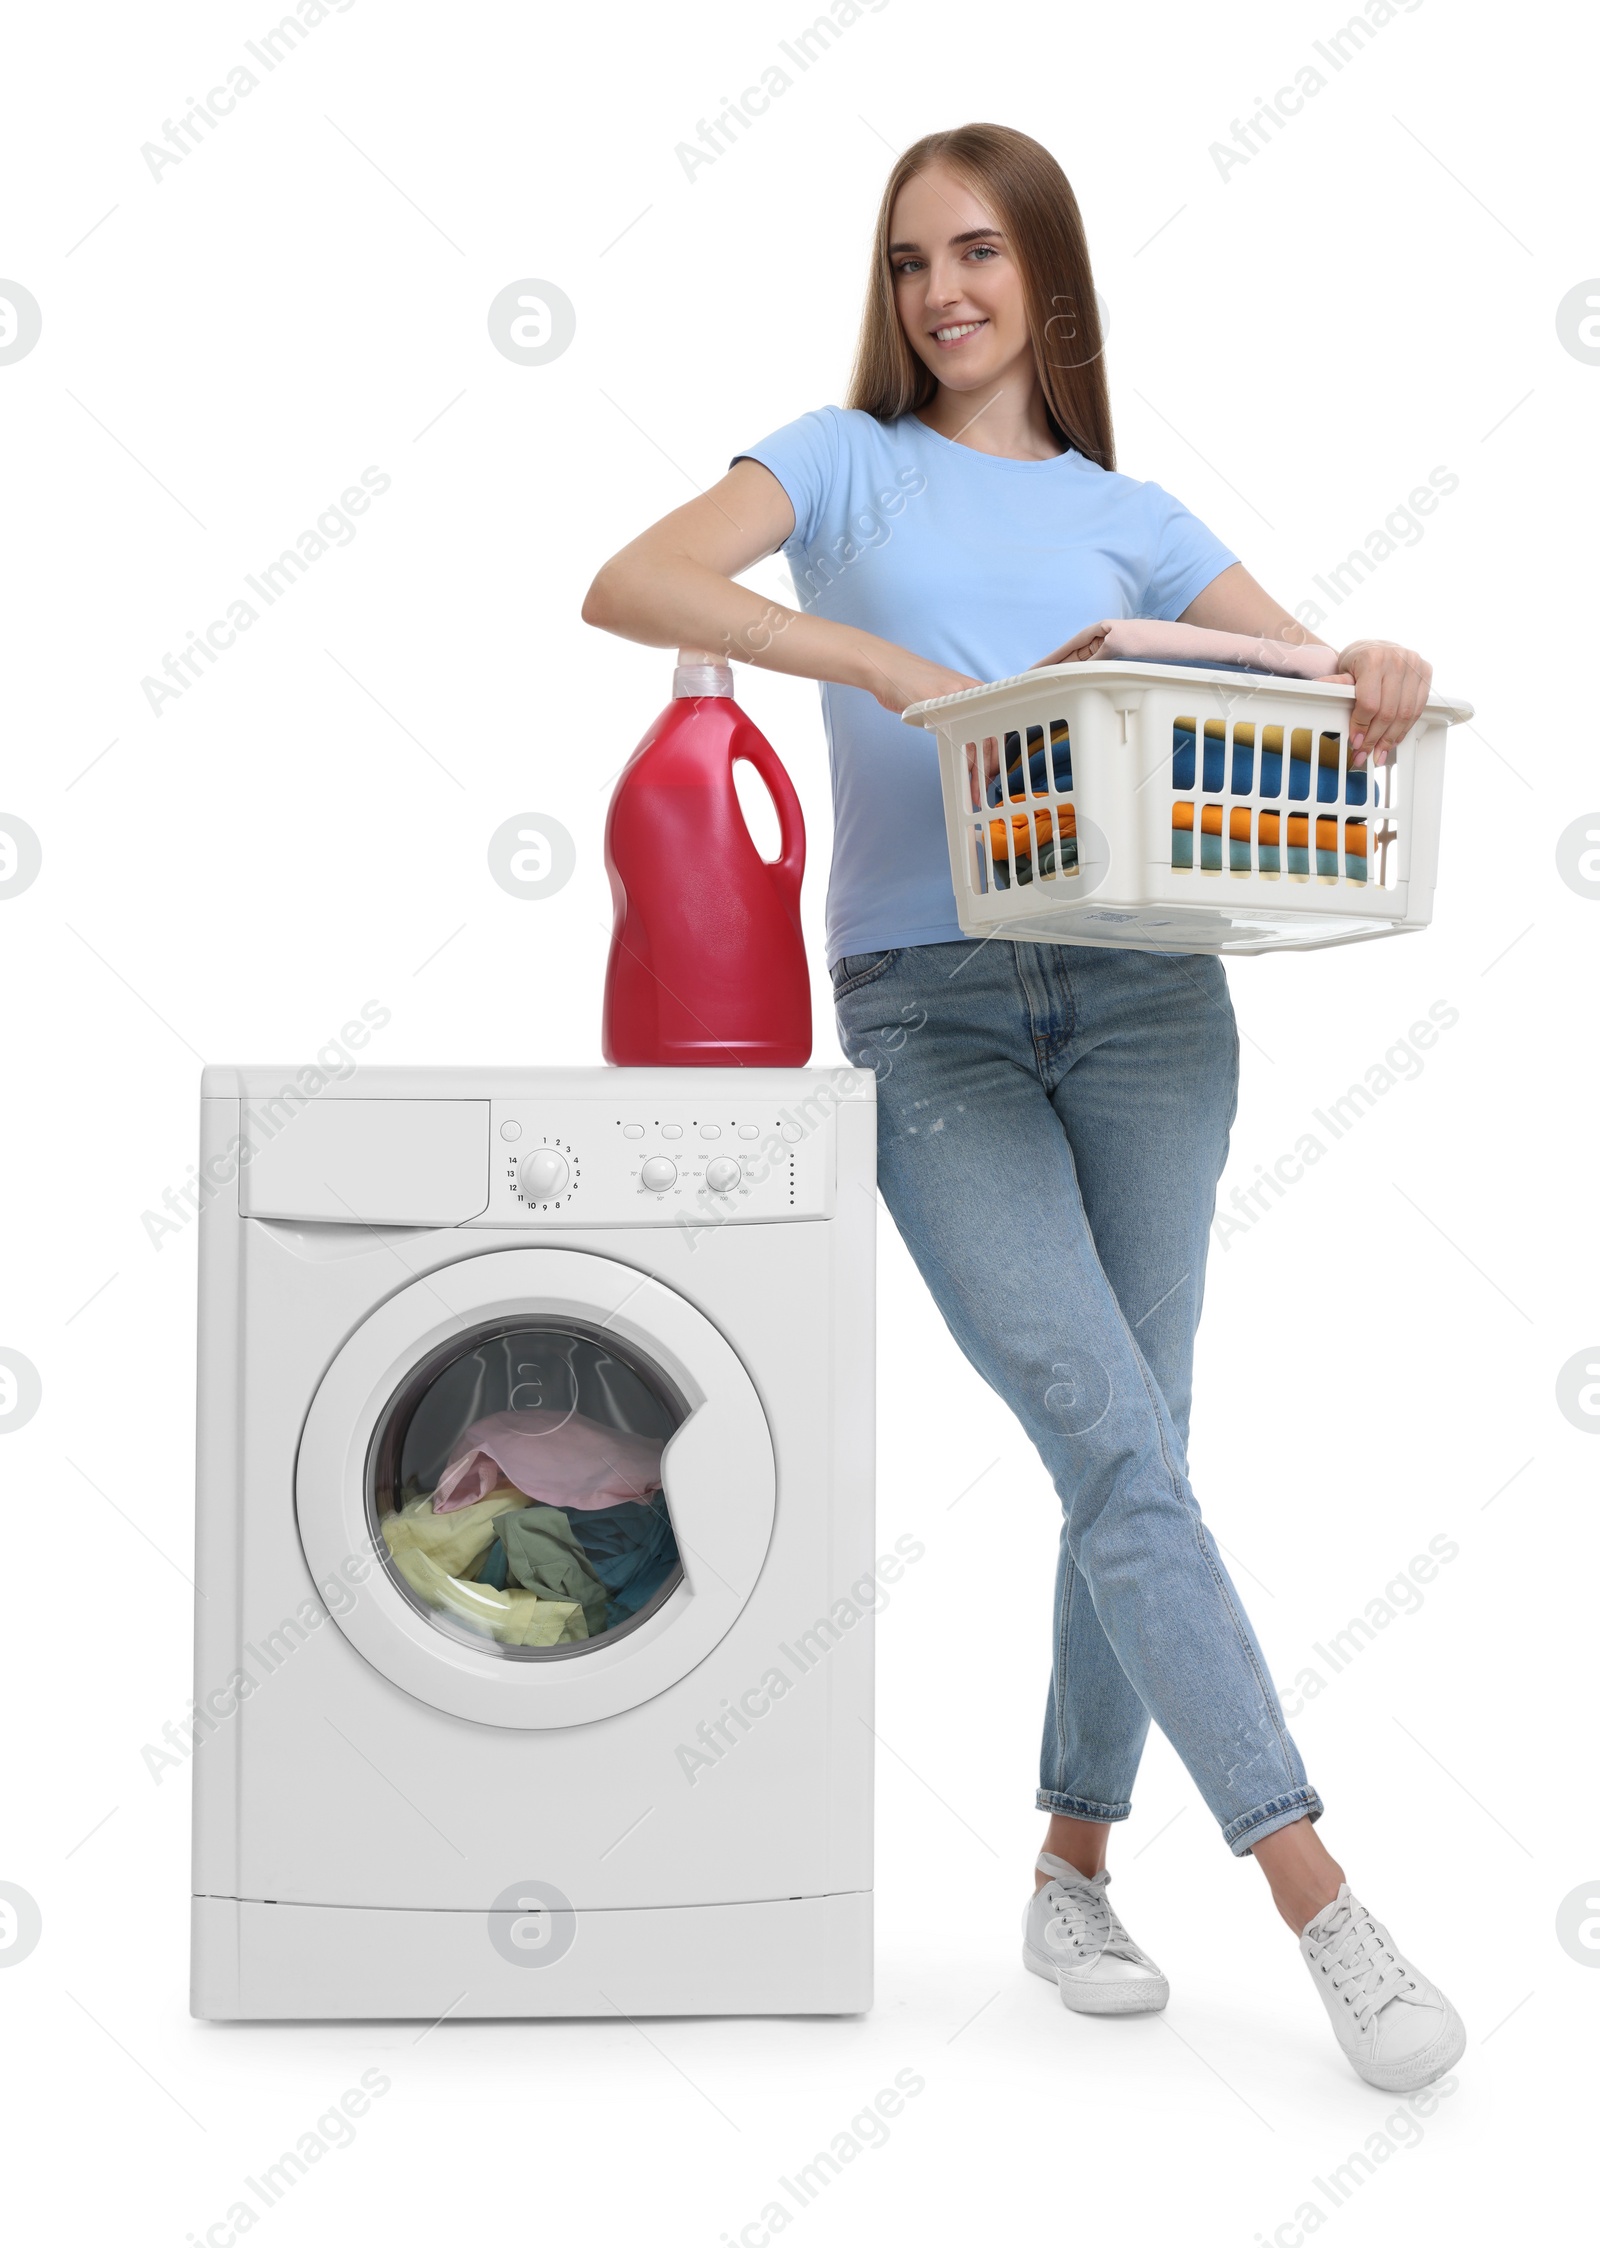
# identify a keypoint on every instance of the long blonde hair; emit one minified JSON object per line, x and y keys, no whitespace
{"x":1034,"y":202}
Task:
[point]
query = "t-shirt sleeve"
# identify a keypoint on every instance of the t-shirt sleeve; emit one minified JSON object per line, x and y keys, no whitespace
{"x":1185,"y":559}
{"x":804,"y":457}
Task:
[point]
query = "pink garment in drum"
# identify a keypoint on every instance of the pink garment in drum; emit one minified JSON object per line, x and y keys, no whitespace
{"x":561,"y":1458}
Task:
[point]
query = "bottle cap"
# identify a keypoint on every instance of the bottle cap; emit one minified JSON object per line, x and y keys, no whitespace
{"x":700,"y":674}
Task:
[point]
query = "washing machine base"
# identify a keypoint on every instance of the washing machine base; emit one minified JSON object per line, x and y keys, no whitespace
{"x":253,"y":1961}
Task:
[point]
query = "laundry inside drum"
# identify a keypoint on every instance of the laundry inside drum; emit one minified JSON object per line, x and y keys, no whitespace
{"x":514,"y":1490}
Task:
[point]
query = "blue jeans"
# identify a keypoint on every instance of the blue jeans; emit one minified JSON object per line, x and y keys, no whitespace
{"x":1052,"y":1123}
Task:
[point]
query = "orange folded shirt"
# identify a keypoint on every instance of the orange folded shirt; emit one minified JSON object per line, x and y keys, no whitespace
{"x":1022,"y":843}
{"x":1355,"y":833}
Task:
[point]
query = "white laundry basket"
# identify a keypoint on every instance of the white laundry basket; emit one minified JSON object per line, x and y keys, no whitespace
{"x":1163,"y":808}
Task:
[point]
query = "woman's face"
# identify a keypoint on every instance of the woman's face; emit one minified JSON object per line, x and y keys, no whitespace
{"x":957,"y":285}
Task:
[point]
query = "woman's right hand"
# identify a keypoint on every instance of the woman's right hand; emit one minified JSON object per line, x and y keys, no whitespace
{"x":898,"y":678}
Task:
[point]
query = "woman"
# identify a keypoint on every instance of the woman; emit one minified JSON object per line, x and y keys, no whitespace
{"x":962,"y":515}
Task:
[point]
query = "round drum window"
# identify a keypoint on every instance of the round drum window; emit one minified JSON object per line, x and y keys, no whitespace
{"x":514,"y":1490}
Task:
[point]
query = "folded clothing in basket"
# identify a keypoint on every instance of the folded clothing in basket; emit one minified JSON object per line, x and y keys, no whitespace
{"x":1034,"y":844}
{"x":1268,"y":838}
{"x":1213,"y":759}
{"x":1052,"y":768}
{"x":1031,"y":840}
{"x":1148,"y":640}
{"x":1045,"y":771}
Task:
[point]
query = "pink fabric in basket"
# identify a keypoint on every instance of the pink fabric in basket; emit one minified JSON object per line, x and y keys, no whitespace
{"x":1148,"y":640}
{"x":561,"y":1458}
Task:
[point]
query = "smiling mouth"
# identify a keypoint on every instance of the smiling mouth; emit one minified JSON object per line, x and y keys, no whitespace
{"x":958,"y":331}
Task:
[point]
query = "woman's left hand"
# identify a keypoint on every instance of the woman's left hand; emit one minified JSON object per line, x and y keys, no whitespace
{"x":1391,"y":685}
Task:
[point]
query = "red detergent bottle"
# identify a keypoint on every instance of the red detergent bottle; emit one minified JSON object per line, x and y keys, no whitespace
{"x":707,"y":967}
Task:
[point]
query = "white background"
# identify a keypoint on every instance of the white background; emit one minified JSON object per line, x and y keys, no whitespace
{"x":1292,"y":349}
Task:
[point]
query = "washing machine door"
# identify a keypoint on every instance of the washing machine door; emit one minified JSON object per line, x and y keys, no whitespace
{"x":484,"y":1383}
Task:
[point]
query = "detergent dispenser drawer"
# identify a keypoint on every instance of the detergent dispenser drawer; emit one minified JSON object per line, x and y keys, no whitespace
{"x":364,"y":1162}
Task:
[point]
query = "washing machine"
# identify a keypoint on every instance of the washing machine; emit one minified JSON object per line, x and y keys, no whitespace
{"x":421,"y":1789}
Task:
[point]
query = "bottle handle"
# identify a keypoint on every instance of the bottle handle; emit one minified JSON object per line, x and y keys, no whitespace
{"x":789,"y":866}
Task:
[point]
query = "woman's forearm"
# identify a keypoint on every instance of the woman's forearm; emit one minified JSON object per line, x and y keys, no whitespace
{"x":686,"y":604}
{"x":1391,"y":683}
{"x":1233,"y":602}
{"x":677,"y":586}
{"x":672,"y":600}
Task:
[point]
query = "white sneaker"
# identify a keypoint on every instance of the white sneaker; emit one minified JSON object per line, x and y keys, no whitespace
{"x":1398,"y":2030}
{"x":1072,"y":1937}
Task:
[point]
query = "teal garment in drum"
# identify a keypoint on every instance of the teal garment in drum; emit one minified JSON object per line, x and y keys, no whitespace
{"x":630,"y":1548}
{"x":543,"y":1555}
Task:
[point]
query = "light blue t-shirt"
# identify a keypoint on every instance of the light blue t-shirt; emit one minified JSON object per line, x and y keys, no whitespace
{"x":973,"y":561}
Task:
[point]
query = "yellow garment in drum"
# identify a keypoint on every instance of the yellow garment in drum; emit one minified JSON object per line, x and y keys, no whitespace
{"x":434,"y":1551}
{"x":456,"y":1540}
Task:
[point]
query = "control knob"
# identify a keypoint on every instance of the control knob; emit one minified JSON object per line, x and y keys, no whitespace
{"x":543,"y":1174}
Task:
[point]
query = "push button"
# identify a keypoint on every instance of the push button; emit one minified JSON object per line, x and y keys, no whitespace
{"x":711,"y":1131}
{"x":749,"y":1131}
{"x":633,"y":1131}
{"x":672,"y":1131}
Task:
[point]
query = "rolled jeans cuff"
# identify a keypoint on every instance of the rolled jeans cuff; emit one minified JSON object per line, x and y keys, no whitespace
{"x":1243,"y":1833}
{"x":1080,"y":1807}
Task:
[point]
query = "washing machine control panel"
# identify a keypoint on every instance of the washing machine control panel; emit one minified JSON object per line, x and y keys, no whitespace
{"x":658,"y":1162}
